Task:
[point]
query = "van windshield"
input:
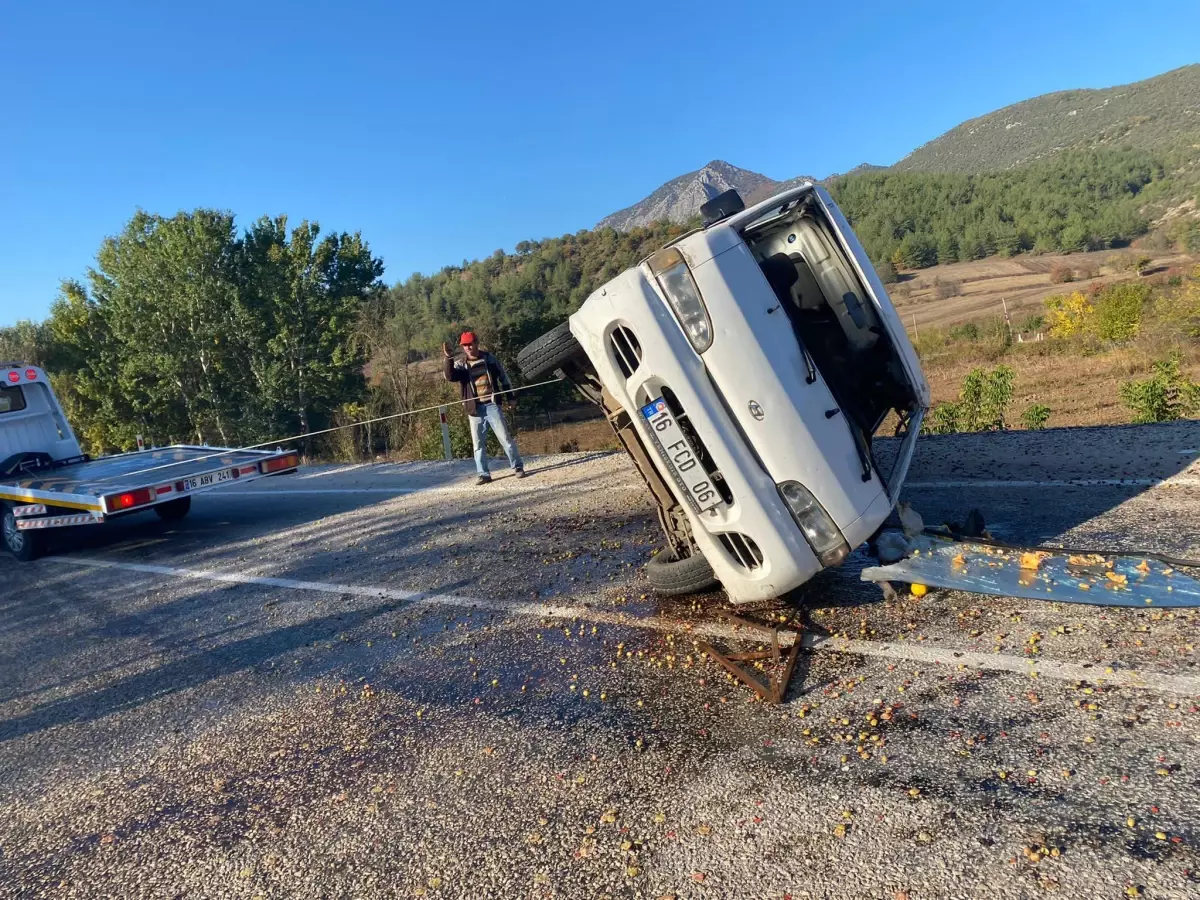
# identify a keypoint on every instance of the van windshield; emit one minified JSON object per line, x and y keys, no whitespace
{"x":12,"y":399}
{"x":832,"y":316}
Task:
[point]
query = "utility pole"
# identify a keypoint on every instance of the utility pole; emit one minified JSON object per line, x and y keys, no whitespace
{"x":1007,"y":321}
{"x":446,"y":448}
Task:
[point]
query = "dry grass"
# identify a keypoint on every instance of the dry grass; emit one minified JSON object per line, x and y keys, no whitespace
{"x":568,"y":436}
{"x":1023,"y":282}
{"x":1080,"y":390}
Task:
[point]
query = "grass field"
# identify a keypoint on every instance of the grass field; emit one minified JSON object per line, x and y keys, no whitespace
{"x":982,"y":287}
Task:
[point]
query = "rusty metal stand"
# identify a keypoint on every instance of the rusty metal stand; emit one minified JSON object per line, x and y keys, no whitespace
{"x":774,"y":688}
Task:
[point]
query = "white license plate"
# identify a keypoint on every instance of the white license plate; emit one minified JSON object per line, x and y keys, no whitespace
{"x":679,"y":455}
{"x":203,"y":481}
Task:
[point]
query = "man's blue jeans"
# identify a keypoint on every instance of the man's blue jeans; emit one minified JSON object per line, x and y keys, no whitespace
{"x":490,"y":414}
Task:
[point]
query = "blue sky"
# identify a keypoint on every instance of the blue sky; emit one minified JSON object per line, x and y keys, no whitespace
{"x":443,"y":131}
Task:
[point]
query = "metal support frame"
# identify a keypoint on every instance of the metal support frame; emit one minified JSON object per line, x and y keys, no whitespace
{"x":774,"y":689}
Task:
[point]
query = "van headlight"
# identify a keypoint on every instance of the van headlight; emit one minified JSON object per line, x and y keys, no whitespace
{"x":819,"y":529}
{"x":675,"y":279}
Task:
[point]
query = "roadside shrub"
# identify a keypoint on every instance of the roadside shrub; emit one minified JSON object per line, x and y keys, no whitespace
{"x":982,"y":403}
{"x":1068,"y":315}
{"x":429,"y":443}
{"x":1165,"y":396}
{"x":1035,"y":416}
{"x":1118,"y":311}
{"x":968,"y":331}
{"x":887,"y":272}
{"x":1061,"y":274}
{"x":1138,"y":264}
{"x":944,"y":290}
{"x":943,"y":419}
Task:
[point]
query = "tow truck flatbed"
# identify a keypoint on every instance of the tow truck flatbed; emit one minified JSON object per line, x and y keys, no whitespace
{"x":170,"y":472}
{"x":46,"y":481}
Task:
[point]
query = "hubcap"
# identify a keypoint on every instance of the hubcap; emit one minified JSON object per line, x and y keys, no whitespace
{"x":12,"y":535}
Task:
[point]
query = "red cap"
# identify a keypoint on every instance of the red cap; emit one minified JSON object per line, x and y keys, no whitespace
{"x":467,"y":337}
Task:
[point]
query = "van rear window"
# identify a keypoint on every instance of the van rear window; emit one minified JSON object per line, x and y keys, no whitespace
{"x":12,"y":399}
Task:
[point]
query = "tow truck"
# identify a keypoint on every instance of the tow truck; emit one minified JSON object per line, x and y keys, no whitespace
{"x":48,"y":482}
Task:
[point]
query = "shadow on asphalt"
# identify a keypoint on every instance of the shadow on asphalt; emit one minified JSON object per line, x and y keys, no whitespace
{"x":410,"y":542}
{"x":187,"y":672}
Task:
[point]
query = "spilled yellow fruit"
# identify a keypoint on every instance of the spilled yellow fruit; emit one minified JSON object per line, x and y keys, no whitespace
{"x":919,"y":590}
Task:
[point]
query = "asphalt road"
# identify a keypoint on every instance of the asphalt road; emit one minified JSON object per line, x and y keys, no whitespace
{"x":385,"y":682}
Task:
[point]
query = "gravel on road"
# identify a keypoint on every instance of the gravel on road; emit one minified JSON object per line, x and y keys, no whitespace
{"x":382,"y":681}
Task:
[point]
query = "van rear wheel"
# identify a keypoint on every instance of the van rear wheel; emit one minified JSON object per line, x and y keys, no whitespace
{"x":673,"y":576}
{"x":24,"y":545}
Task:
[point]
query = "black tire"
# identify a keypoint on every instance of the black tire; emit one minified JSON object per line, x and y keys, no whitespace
{"x":174,"y":510}
{"x":672,"y":576}
{"x":24,"y":545}
{"x":551,"y":351}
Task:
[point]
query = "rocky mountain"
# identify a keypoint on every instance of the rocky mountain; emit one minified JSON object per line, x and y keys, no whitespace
{"x":681,"y":198}
{"x":1159,"y":114}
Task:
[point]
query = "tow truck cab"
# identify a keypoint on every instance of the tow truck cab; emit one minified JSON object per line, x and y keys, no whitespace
{"x":32,"y":423}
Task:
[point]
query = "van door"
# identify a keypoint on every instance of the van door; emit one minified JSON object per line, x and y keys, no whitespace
{"x":877,"y":293}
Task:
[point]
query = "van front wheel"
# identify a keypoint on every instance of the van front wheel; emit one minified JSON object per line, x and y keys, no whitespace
{"x":551,"y":351}
{"x":672,"y":576}
{"x":24,"y":545}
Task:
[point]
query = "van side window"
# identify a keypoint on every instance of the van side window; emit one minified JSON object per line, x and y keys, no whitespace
{"x":12,"y":399}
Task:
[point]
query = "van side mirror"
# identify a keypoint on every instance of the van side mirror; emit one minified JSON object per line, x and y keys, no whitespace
{"x":722,"y":206}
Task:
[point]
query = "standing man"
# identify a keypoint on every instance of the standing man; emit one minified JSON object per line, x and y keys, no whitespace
{"x":480,"y":376}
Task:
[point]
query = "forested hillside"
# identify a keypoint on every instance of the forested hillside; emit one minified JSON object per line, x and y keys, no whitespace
{"x":1160,"y":114}
{"x":1076,"y":201}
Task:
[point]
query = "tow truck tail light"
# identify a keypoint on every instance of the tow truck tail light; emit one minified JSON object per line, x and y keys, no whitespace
{"x":14,"y":377}
{"x":279,"y":463}
{"x":31,"y":374}
{"x":129,"y":499}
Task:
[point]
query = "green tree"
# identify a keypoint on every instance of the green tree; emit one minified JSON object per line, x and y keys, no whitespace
{"x":26,"y":342}
{"x":917,"y":251}
{"x":1118,"y":311}
{"x":300,"y":299}
{"x":166,"y":288}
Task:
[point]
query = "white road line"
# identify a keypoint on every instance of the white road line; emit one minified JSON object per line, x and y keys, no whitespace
{"x":1188,"y":685}
{"x":1081,"y":482}
{"x":912,"y":485}
{"x":336,"y":470}
{"x":284,"y":492}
